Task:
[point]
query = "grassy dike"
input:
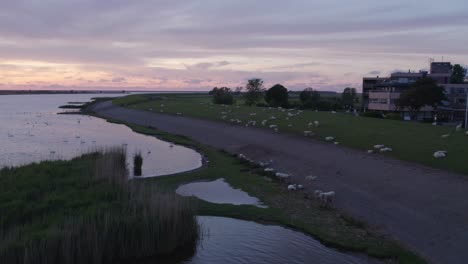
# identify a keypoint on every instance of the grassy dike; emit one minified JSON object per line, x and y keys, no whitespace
{"x":410,"y":141}
{"x":85,"y":211}
{"x":289,"y":209}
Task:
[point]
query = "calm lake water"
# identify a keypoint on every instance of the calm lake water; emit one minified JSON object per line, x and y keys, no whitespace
{"x":218,"y":191}
{"x":229,"y":241}
{"x":32,"y":131}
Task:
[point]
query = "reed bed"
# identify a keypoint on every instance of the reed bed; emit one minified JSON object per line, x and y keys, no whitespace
{"x":109,"y":220}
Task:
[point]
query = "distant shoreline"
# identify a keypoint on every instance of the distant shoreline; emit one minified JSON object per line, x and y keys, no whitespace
{"x":14,"y":92}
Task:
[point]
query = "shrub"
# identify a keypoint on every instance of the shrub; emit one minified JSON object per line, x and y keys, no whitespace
{"x":372,"y":114}
{"x":222,"y":95}
{"x":393,"y":116}
{"x":277,"y":96}
{"x":309,"y":98}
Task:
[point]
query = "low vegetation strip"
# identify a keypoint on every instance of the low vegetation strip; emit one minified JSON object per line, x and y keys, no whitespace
{"x":410,"y":141}
{"x":86,"y":211}
{"x":286,"y":208}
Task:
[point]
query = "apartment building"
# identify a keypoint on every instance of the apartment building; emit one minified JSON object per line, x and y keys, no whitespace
{"x":380,"y":94}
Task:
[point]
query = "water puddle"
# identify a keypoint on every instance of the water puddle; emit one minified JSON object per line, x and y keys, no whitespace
{"x":219,"y":192}
{"x":230,"y":240}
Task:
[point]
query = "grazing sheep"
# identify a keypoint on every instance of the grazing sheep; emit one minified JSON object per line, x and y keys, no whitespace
{"x":300,"y":186}
{"x":317,"y":193}
{"x":290,"y":125}
{"x":264,"y":122}
{"x":273,"y":126}
{"x":445,"y":136}
{"x":292,"y":187}
{"x":333,"y":112}
{"x":458,"y":127}
{"x":370,"y":151}
{"x":282,"y":175}
{"x":223,"y":117}
{"x":316,"y":123}
{"x":466,"y":133}
{"x":269,"y":170}
{"x":326,"y":198}
{"x":179,"y":113}
{"x":329,"y":138}
{"x":434,"y":123}
{"x":336,"y":143}
{"x":386,"y":149}
{"x":440,"y":154}
{"x":309,"y":124}
{"x":310,"y":178}
{"x":379,"y":146}
{"x":307,"y":133}
{"x":276,"y":129}
{"x":273,"y":117}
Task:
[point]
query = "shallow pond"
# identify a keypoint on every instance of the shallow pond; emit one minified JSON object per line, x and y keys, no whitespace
{"x":219,"y":192}
{"x":32,"y":131}
{"x":228,"y":240}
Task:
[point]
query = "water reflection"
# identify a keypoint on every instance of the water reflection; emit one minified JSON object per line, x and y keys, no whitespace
{"x":217,"y":191}
{"x":31,"y":131}
{"x":236,"y":241}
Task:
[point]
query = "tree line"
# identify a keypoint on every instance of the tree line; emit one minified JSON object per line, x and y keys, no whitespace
{"x":255,"y":94}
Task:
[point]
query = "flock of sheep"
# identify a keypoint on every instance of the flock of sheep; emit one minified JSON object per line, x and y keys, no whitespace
{"x":325,"y":198}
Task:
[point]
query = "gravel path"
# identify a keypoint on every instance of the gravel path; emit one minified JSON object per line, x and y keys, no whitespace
{"x":424,"y":208}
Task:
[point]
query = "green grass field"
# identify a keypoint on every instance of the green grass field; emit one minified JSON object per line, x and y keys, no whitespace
{"x":410,"y":141}
{"x":284,"y":207}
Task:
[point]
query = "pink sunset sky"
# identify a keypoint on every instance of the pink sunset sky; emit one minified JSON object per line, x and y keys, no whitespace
{"x":184,"y":45}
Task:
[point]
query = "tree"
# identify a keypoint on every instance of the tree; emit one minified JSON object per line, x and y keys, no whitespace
{"x":423,"y":92}
{"x":309,"y":98}
{"x":458,"y":74}
{"x":222,"y":95}
{"x":277,"y":96}
{"x":254,"y":91}
{"x":349,"y":98}
{"x":238,"y":90}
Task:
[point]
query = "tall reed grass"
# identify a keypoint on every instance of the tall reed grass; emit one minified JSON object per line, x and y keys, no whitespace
{"x":139,"y":223}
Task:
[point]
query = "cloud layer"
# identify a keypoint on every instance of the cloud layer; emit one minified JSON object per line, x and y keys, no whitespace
{"x":191,"y":45}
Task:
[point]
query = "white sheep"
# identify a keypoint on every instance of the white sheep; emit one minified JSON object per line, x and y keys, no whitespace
{"x":458,"y":127}
{"x":329,"y":138}
{"x":309,"y":124}
{"x":307,"y":133}
{"x":290,"y":125}
{"x":273,"y":126}
{"x":333,"y":112}
{"x":434,"y":123}
{"x":179,"y":113}
{"x":310,"y":178}
{"x":282,"y":175}
{"x":253,"y":114}
{"x":292,"y":187}
{"x":272,"y":117}
{"x":316,"y":123}
{"x":466,"y":133}
{"x":326,"y":198}
{"x":445,"y":136}
{"x":379,"y":146}
{"x":370,"y":151}
{"x":264,"y":122}
{"x":336,"y":143}
{"x":269,"y":170}
{"x":300,"y":186}
{"x":440,"y":154}
{"x":386,"y":149}
{"x":317,"y":193}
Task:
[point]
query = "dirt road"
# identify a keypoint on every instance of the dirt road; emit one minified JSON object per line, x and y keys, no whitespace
{"x":424,"y":208}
